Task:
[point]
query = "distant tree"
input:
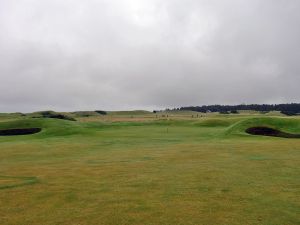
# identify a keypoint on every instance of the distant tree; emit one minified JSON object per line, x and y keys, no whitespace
{"x":101,"y":112}
{"x":292,"y":107}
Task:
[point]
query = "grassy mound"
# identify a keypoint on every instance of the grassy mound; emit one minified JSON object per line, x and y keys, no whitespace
{"x":281,"y":125}
{"x":52,"y":114}
{"x":214,"y":122}
{"x":50,"y":127}
{"x":86,"y":113}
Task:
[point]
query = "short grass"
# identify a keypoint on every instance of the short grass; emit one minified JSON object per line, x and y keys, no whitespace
{"x":167,"y":170}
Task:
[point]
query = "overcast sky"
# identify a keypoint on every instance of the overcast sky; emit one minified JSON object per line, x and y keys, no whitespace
{"x":147,"y":54}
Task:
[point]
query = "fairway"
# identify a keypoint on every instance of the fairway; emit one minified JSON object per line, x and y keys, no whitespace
{"x":141,"y":168}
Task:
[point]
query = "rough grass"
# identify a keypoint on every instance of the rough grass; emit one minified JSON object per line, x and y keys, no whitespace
{"x":169,"y":171}
{"x":129,"y":113}
{"x":214,"y":122}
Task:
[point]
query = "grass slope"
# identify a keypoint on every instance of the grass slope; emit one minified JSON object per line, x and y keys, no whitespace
{"x":281,"y":123}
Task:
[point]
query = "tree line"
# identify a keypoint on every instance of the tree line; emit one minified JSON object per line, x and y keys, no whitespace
{"x":288,"y":109}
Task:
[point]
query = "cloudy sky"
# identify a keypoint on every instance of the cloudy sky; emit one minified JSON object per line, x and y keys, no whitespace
{"x":147,"y":54}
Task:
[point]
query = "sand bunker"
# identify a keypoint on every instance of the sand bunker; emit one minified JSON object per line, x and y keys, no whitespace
{"x":267,"y":131}
{"x":19,"y":131}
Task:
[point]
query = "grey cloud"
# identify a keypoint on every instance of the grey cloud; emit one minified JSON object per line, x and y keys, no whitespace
{"x":81,"y":55}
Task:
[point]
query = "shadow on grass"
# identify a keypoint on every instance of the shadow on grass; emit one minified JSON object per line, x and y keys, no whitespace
{"x":19,"y":131}
{"x":268,"y":131}
{"x":14,"y":182}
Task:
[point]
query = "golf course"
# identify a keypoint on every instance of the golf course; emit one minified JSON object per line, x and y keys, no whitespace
{"x":144,"y":168}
